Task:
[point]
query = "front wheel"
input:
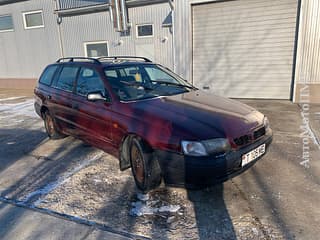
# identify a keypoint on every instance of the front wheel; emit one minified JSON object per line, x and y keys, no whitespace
{"x":145,"y":169}
{"x":50,"y":126}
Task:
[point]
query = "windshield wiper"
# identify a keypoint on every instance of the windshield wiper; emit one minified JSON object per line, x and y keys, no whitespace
{"x":174,"y":84}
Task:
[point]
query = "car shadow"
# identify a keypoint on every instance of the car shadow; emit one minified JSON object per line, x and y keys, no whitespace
{"x":16,"y":143}
{"x":211,"y":214}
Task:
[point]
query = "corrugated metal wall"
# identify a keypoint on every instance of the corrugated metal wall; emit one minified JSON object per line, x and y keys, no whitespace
{"x":182,"y":38}
{"x":308,"y":54}
{"x":98,"y":27}
{"x":24,"y":53}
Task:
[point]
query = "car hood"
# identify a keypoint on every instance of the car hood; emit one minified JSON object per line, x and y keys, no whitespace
{"x":197,"y":115}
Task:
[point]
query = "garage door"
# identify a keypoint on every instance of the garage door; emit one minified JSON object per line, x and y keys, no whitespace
{"x":244,"y":48}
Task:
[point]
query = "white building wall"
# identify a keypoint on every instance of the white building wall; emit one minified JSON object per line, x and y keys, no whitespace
{"x":25,"y":52}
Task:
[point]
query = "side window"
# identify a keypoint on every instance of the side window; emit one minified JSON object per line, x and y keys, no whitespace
{"x":89,"y":81}
{"x":67,"y":78}
{"x":111,"y":73}
{"x":47,"y":75}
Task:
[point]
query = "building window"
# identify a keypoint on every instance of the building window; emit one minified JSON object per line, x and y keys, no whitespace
{"x":96,"y":49}
{"x":145,"y":30}
{"x":6,"y":23}
{"x":33,"y":19}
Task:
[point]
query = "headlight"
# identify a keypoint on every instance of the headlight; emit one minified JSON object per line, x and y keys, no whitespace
{"x":206,"y":147}
{"x":193,"y":148}
{"x":266,"y":122}
{"x":217,"y":145}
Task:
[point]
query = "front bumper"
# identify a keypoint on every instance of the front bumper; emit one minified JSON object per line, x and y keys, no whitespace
{"x":181,"y":170}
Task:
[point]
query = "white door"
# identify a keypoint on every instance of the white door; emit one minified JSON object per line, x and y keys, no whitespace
{"x":244,"y":48}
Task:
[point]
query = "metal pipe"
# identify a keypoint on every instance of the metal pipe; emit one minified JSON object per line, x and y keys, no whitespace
{"x":59,"y":30}
{"x":117,"y":11}
{"x":124,"y":15}
{"x":111,"y":13}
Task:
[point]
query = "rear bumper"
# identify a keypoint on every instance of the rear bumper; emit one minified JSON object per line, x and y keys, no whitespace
{"x":181,"y":170}
{"x":37,"y":108}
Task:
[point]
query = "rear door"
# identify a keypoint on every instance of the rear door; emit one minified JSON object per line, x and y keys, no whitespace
{"x":93,"y":117}
{"x":43,"y":90}
{"x":61,"y":98}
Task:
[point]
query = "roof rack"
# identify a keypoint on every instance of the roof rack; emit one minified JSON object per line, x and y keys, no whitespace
{"x":72,"y":59}
{"x":124,"y":58}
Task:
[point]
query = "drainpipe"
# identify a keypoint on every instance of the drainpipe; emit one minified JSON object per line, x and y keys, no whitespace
{"x":173,"y":35}
{"x":59,"y":21}
{"x":124,"y":15}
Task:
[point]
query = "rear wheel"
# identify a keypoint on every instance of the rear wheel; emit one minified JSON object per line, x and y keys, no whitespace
{"x":50,"y":126}
{"x":145,"y":169}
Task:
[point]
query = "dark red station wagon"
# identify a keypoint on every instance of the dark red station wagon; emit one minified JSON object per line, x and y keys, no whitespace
{"x":151,"y":119}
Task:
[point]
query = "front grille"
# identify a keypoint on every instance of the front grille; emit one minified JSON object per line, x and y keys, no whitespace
{"x":245,"y":139}
{"x":259,"y":133}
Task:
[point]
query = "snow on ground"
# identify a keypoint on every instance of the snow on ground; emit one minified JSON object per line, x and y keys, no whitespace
{"x":42,"y":192}
{"x":11,"y":110}
{"x":146,"y":207}
{"x":11,"y":98}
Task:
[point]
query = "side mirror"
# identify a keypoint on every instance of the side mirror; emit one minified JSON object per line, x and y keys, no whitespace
{"x":96,"y":96}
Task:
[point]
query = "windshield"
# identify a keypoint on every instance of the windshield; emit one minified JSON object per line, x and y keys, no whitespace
{"x":144,"y":81}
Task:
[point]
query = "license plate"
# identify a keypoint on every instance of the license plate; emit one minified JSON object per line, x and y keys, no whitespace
{"x":253,"y":155}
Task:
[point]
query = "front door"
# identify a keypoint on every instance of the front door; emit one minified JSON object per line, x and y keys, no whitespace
{"x":94,"y":117}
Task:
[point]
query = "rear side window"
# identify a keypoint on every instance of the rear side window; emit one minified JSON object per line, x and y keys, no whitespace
{"x":47,"y":75}
{"x":67,"y":77}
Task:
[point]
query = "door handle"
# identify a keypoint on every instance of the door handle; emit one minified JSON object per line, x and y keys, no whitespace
{"x":49,"y":97}
{"x":205,"y":87}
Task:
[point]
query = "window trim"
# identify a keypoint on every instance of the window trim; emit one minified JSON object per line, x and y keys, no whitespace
{"x":141,"y":25}
{"x":85,"y":44}
{"x":32,"y":12}
{"x":8,"y":30}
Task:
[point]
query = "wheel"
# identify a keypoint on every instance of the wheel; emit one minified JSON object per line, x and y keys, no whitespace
{"x":50,"y":126}
{"x":145,"y":169}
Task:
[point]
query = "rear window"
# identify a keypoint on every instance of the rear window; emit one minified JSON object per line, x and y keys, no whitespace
{"x":67,"y":77}
{"x":47,"y":75}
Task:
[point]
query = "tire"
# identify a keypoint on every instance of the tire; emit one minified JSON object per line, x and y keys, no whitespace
{"x":51,"y":127}
{"x":145,"y":169}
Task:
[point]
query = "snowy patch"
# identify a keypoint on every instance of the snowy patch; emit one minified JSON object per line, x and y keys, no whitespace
{"x":61,"y":180}
{"x":11,"y":98}
{"x":141,"y":208}
{"x":143,"y":197}
{"x":25,"y":108}
{"x":170,"y":208}
{"x":145,"y":208}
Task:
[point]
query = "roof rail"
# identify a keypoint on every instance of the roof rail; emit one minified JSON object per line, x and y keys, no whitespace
{"x":124,"y":58}
{"x":72,"y":59}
